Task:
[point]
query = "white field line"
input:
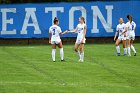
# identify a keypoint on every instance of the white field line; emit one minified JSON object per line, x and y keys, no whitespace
{"x":20,"y":47}
{"x":75,"y":84}
{"x":20,"y":82}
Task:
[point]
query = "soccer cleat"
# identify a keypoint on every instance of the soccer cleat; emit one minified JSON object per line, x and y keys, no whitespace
{"x":63,"y":60}
{"x":124,"y":54}
{"x":53,"y":61}
{"x":79,"y":60}
{"x":118,"y":54}
{"x":135,"y":54}
{"x":82,"y":61}
{"x":129,"y":55}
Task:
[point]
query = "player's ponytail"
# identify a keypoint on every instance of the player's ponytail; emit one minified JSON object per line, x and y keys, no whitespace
{"x":55,"y":20}
{"x":82,"y":18}
{"x":129,"y":17}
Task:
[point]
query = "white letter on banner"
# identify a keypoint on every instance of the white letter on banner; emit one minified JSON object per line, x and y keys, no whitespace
{"x":106,"y":24}
{"x":71,"y":15}
{"x":54,"y":11}
{"x":30,"y":12}
{"x":5,"y":21}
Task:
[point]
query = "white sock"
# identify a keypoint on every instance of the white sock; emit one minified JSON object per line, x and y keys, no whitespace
{"x":61,"y":53}
{"x":133,"y":48}
{"x":125,"y":50}
{"x":129,"y":51}
{"x":79,"y":54}
{"x":53,"y":54}
{"x":118,"y":49}
{"x":82,"y":56}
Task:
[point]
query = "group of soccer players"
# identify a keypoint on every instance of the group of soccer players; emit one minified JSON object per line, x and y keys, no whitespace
{"x":54,"y":38}
{"x":126,"y":35}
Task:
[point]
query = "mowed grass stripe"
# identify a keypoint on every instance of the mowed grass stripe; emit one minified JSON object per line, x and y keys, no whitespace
{"x":102,"y":71}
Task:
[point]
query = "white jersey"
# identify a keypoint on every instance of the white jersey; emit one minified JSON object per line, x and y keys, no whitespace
{"x":131,"y":28}
{"x":55,"y":31}
{"x":80,"y":30}
{"x":120,"y":28}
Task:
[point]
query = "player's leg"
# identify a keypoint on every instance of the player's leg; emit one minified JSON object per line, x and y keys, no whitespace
{"x":132,"y":47}
{"x":82,"y":52}
{"x":76,"y":50}
{"x":53,"y":51}
{"x":124,"y":46}
{"x":118,"y":47}
{"x":128,"y":48}
{"x":60,"y":45}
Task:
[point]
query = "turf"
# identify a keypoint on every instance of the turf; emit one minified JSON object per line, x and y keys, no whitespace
{"x":29,"y":69}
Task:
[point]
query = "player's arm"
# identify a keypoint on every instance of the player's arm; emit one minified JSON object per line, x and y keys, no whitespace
{"x":134,"y":26}
{"x":73,"y":31}
{"x":125,"y":30}
{"x":50,"y":37}
{"x":64,"y":32}
{"x":116,"y":34}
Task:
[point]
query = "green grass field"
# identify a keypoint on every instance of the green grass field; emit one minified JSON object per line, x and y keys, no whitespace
{"x":29,"y":69}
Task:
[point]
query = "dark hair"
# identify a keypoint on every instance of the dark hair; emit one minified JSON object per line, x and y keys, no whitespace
{"x":82,"y":18}
{"x":55,"y":20}
{"x":129,"y":17}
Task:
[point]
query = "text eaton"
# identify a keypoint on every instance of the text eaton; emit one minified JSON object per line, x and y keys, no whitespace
{"x":30,"y":14}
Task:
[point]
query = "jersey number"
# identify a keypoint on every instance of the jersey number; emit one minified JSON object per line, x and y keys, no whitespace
{"x":53,"y":31}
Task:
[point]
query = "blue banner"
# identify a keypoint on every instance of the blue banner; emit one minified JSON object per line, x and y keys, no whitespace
{"x":34,"y":20}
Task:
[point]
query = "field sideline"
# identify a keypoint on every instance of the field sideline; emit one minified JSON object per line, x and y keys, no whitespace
{"x":29,"y":69}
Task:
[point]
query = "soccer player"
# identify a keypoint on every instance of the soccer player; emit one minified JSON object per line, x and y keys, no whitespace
{"x":131,"y":26}
{"x":54,"y":39}
{"x":122,"y":37}
{"x":80,"y":41}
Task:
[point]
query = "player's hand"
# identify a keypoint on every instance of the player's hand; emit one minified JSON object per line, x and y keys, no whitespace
{"x":66,"y":31}
{"x":49,"y":41}
{"x":114,"y":39}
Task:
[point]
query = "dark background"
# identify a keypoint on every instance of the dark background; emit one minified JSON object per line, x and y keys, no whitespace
{"x":42,"y":1}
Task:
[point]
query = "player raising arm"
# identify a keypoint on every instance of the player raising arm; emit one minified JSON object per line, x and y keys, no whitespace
{"x":54,"y":39}
{"x":80,"y":41}
{"x":122,"y":37}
